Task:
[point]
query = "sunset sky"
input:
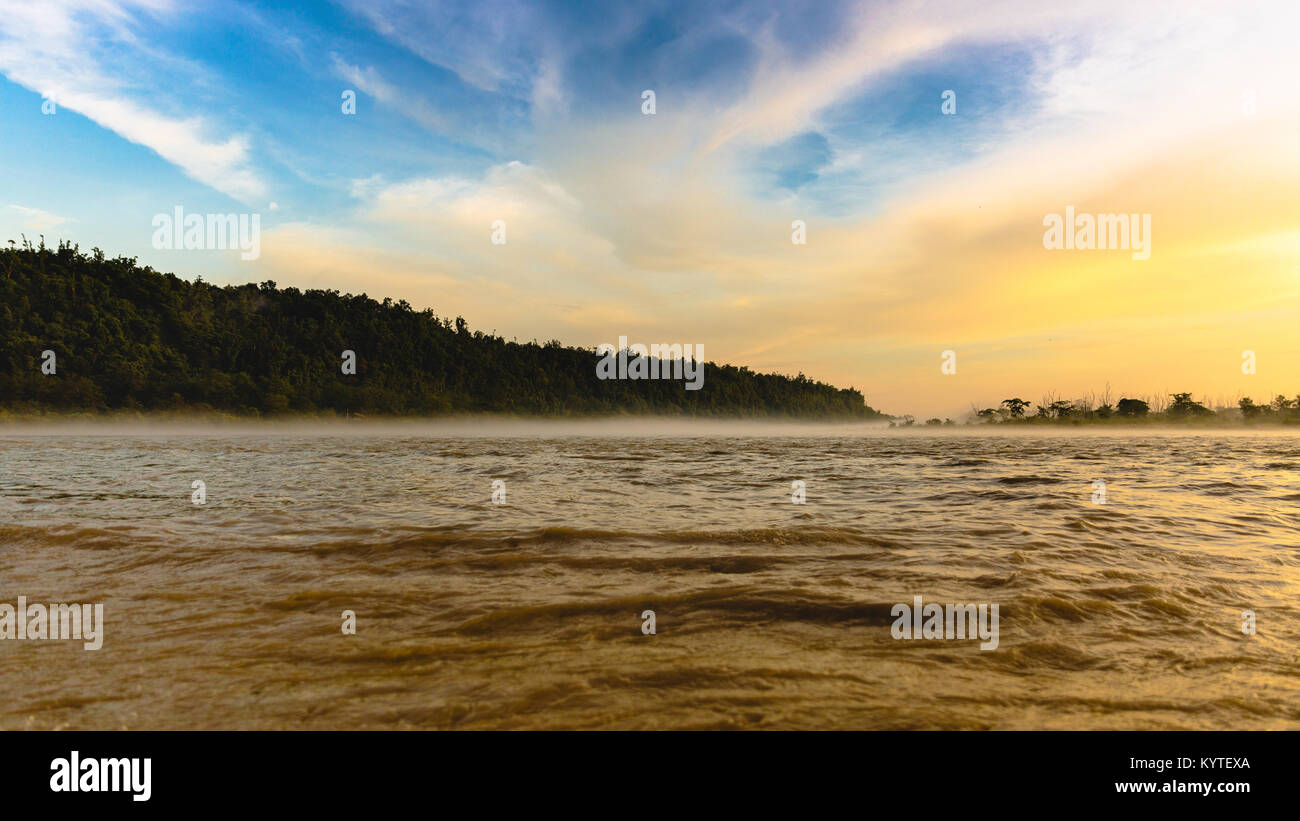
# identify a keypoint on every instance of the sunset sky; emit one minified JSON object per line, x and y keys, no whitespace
{"x":924,"y":230}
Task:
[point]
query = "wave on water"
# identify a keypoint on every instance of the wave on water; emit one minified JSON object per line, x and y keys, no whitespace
{"x":1124,"y":608}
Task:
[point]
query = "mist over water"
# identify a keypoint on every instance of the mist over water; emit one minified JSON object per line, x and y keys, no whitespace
{"x":526,"y":615}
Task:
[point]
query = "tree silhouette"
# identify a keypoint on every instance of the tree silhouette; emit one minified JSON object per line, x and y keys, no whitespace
{"x":1183,"y":406}
{"x":1016,"y":407}
{"x":1132,"y":407}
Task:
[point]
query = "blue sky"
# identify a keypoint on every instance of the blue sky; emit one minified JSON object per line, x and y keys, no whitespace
{"x":454,"y":90}
{"x":924,"y":229}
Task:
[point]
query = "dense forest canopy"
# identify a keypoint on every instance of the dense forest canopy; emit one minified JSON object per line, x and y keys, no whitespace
{"x":128,"y":337}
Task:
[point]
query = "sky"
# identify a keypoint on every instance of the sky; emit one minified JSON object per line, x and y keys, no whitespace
{"x":924,"y":229}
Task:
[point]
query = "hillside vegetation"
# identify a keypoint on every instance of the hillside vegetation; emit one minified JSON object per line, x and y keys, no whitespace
{"x":128,"y":337}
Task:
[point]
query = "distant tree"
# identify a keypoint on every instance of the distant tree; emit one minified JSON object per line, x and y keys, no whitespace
{"x":1015,"y":407}
{"x":934,"y":421}
{"x":1183,"y":407}
{"x":1281,"y":404}
{"x":1061,"y":408}
{"x":988,"y":414}
{"x":1249,"y":409}
{"x":1132,"y":407}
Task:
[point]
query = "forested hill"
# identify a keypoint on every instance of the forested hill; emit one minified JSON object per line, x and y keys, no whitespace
{"x":128,"y":337}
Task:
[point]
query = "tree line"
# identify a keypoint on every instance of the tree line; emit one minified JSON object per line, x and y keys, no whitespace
{"x":1178,"y":408}
{"x":126,"y":337}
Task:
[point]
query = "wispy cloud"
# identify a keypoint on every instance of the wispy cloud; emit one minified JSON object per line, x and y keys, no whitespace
{"x":51,"y":47}
{"x":489,"y":44}
{"x":35,"y":219}
{"x":369,"y":81}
